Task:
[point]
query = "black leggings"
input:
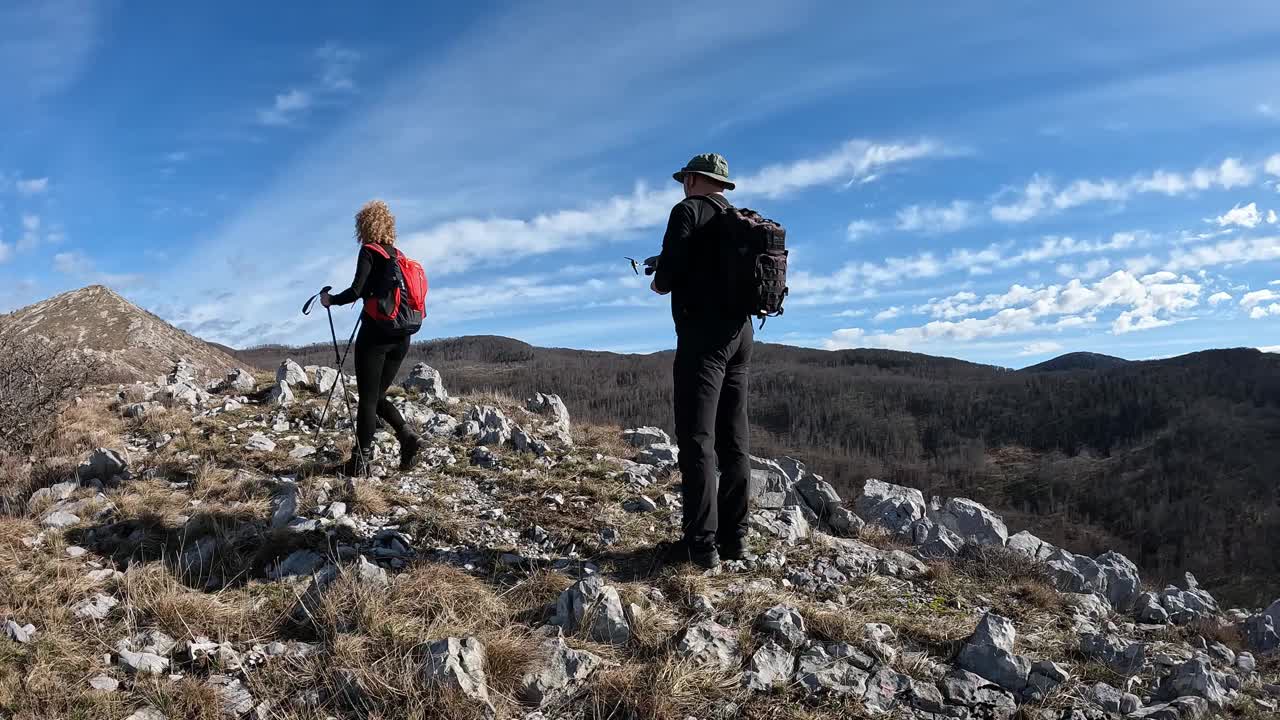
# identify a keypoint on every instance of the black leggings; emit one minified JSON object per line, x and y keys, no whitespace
{"x":377,"y":362}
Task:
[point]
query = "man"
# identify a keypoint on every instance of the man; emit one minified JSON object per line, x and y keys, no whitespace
{"x":713,"y":355}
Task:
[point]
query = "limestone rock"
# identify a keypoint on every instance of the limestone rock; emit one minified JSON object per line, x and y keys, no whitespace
{"x":891,"y":506}
{"x":495,"y":428}
{"x":60,"y":519}
{"x":98,"y":607}
{"x":1123,"y":583}
{"x":989,"y":654}
{"x":818,"y":672}
{"x":258,"y":442}
{"x":427,"y":381}
{"x":551,"y":407}
{"x":710,"y":645}
{"x":103,"y":465}
{"x":973,"y":522}
{"x":1184,"y":708}
{"x":1197,"y":677}
{"x":1120,"y":655}
{"x":644,"y":437}
{"x":1030,"y":545}
{"x":784,"y":625}
{"x":659,"y":455}
{"x":592,"y":605}
{"x":770,"y":667}
{"x":458,"y":664}
{"x":1112,"y":700}
{"x":558,"y":675}
{"x":884,"y":690}
{"x":234,"y":699}
{"x":326,"y":378}
{"x":21,"y":634}
{"x":291,"y":373}
{"x":281,"y":395}
{"x":964,"y":688}
{"x":1148,"y":609}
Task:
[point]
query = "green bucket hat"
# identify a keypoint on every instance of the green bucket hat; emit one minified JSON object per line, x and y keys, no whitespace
{"x":710,"y":164}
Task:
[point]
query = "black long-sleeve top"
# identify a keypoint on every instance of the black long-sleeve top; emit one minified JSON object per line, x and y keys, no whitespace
{"x":687,"y":266}
{"x":370,"y":268}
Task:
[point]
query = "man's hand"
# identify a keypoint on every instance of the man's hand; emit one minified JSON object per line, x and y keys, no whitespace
{"x":325,"y":299}
{"x":654,"y":287}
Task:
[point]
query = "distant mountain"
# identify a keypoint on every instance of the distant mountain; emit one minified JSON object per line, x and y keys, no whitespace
{"x":131,"y":343}
{"x":1077,"y":361}
{"x":1172,"y":462}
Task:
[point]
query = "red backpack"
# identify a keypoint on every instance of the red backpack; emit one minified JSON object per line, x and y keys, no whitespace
{"x":400,"y":301}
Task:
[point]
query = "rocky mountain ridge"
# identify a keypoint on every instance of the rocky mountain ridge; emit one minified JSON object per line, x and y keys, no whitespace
{"x":128,"y":342}
{"x":212,"y":564}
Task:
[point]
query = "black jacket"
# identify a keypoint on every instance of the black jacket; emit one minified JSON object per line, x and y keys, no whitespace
{"x":691,"y":268}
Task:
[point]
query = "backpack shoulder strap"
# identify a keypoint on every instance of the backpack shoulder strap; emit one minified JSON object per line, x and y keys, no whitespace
{"x":718,"y":201}
{"x":378,"y":250}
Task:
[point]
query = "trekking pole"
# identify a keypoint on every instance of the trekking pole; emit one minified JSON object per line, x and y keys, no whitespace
{"x":339,"y":356}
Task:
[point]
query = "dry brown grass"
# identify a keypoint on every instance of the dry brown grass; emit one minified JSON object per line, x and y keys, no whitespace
{"x":369,"y":497}
{"x":665,"y":689}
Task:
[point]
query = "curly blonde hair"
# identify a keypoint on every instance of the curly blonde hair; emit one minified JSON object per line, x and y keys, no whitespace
{"x":375,"y":224}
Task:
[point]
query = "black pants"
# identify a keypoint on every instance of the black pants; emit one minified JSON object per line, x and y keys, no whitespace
{"x":377,"y":362}
{"x":711,"y":378}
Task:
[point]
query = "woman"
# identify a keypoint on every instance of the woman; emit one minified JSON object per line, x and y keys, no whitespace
{"x":378,"y":353}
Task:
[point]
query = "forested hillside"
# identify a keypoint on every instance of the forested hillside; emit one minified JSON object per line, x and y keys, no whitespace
{"x":1175,"y":462}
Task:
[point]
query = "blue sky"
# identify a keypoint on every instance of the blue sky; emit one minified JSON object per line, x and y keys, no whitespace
{"x":1001,"y":182}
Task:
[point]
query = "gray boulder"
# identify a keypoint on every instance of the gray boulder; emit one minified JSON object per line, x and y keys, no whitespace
{"x":103,"y":465}
{"x":281,"y":395}
{"x":769,"y":668}
{"x":969,"y":690}
{"x":1197,"y":677}
{"x":819,"y":672}
{"x":234,"y":699}
{"x":891,"y":506}
{"x":591,"y":605}
{"x":1112,"y":700}
{"x":973,"y":522}
{"x":710,"y":645}
{"x":644,"y":437}
{"x":939,"y":542}
{"x":52,"y":494}
{"x":1261,"y":632}
{"x":989,"y":654}
{"x":558,"y":675}
{"x":768,"y":489}
{"x":550,"y":407}
{"x":495,"y":428}
{"x":1076,"y":573}
{"x":659,"y":455}
{"x":427,"y":381}
{"x":238,"y":381}
{"x":784,"y":625}
{"x":60,"y":519}
{"x":291,"y":373}
{"x":885,"y":690}
{"x":1122,"y":656}
{"x":326,"y":378}
{"x":1149,"y":610}
{"x":1123,"y":584}
{"x":1030,"y":545}
{"x":458,"y":664}
{"x":258,"y":442}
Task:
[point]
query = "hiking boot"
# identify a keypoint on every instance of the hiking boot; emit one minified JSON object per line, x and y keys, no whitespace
{"x":682,"y":552}
{"x":409,"y":452}
{"x":735,"y":551}
{"x":358,"y":464}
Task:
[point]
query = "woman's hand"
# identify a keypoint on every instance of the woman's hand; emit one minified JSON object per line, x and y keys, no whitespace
{"x":325,"y":299}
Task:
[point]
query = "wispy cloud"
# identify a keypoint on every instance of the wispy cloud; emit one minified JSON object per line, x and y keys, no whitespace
{"x":30,"y":232}
{"x":888,"y":314}
{"x":286,"y":109}
{"x":1219,"y":297}
{"x":855,"y":161}
{"x":80,"y":266}
{"x":1042,"y":347}
{"x":46,"y":46}
{"x":859,"y":229}
{"x":1041,"y":195}
{"x":1246,"y":216}
{"x":935,"y":219}
{"x":1142,"y":303}
{"x":32,"y":186}
{"x":337,"y":65}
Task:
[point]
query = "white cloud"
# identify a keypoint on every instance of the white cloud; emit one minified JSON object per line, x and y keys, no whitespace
{"x":1258,"y":297}
{"x":1246,"y":216}
{"x":859,"y":229}
{"x":6,"y":251}
{"x":1034,"y":199}
{"x":1043,"y":347}
{"x":1219,"y":297}
{"x":1267,"y":110}
{"x":33,"y":186}
{"x":1271,"y":217}
{"x":935,"y":219}
{"x":849,"y":314}
{"x":1273,"y":165}
{"x":854,"y":161}
{"x":30,"y":232}
{"x":72,"y":263}
{"x":1224,"y":253}
{"x":336,"y":66}
{"x":1143,"y":303}
{"x":1262,"y":311}
{"x":888,"y":314}
{"x":286,"y":108}
{"x":1270,"y":349}
{"x":1041,"y":195}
